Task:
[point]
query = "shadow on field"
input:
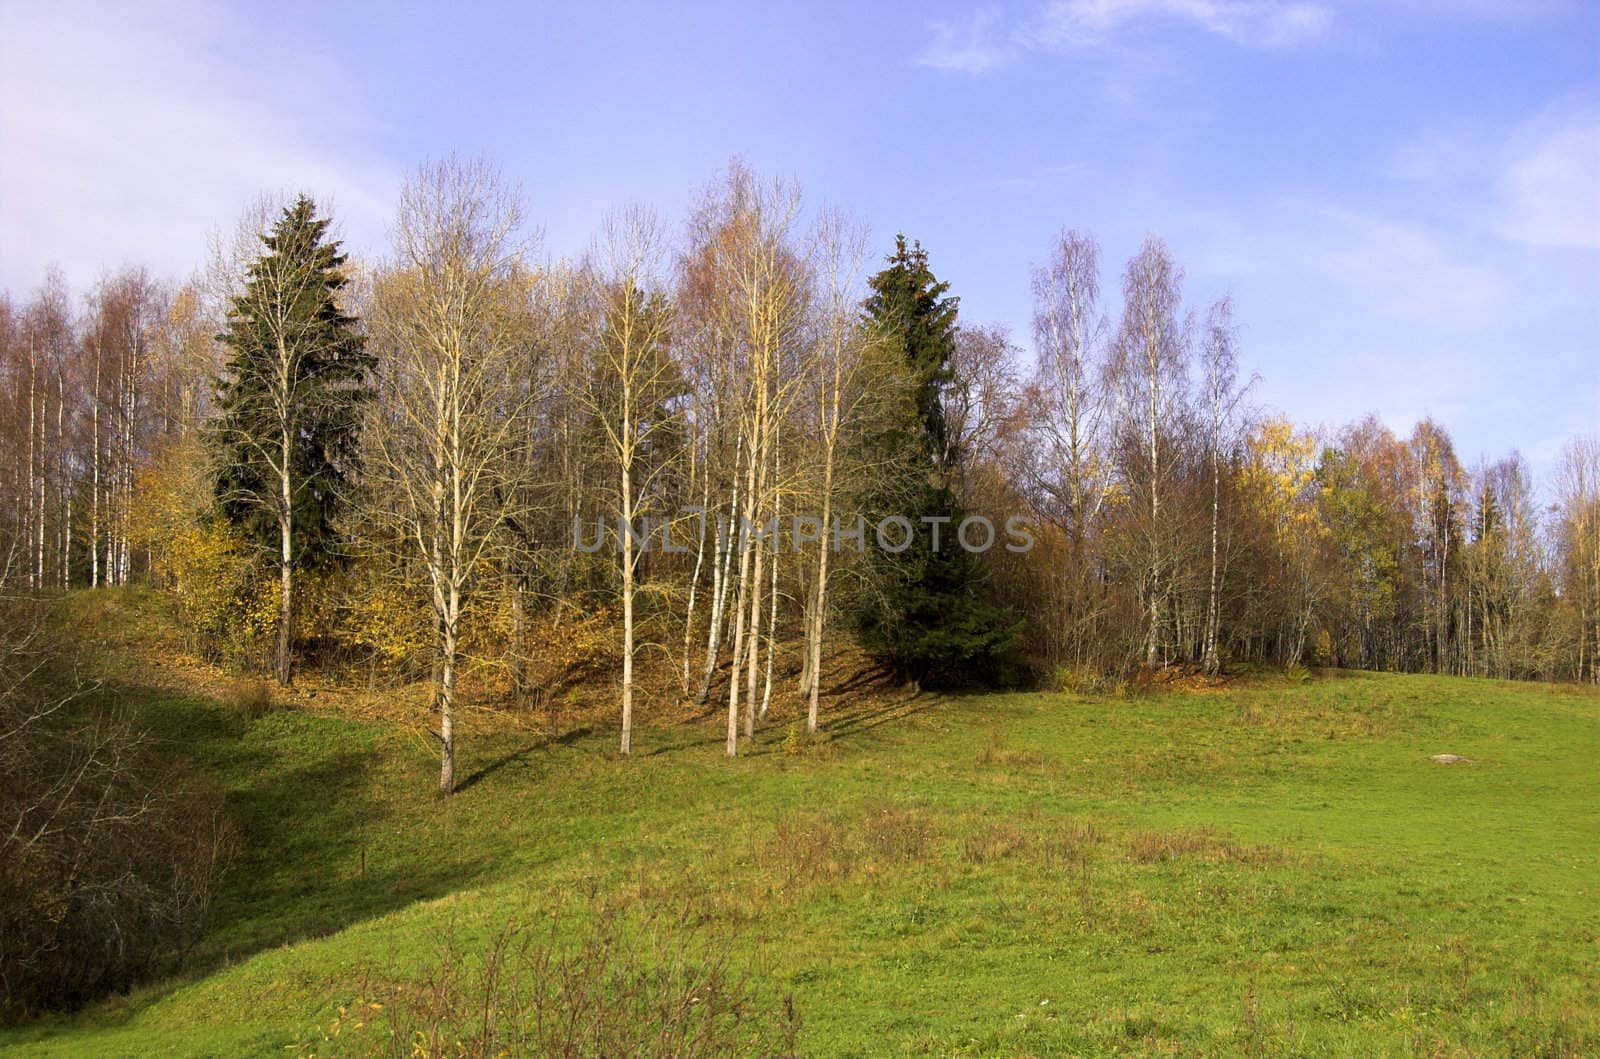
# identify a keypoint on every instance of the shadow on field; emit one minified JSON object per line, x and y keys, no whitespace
{"x":317,"y":806}
{"x":868,"y":676}
{"x":520,"y":756}
{"x":853,"y":707}
{"x":339,"y":818}
{"x":864,"y":714}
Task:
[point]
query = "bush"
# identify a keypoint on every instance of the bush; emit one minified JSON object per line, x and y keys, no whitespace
{"x":108,"y":858}
{"x":251,"y":699}
{"x":228,"y":605}
{"x":1084,"y":679}
{"x":388,"y":619}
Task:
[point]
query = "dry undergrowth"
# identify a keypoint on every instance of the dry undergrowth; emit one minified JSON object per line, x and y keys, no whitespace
{"x":152,"y":652}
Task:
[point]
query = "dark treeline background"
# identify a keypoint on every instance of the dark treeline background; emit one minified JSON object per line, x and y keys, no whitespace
{"x":375,"y":466}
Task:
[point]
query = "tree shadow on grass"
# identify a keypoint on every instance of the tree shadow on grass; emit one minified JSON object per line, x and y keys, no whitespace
{"x":519,"y":756}
{"x":865,"y":714}
{"x":865,"y":677}
{"x":335,"y":826}
{"x":681,"y":738}
{"x":340,"y":820}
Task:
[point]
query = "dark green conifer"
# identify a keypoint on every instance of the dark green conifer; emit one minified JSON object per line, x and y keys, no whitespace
{"x":928,"y":618}
{"x":285,"y":438}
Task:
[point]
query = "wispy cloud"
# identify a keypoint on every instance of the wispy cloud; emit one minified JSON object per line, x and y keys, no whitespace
{"x":1352,"y":307}
{"x":988,"y":41}
{"x":1398,"y":269}
{"x":1536,"y":183}
{"x":1549,"y":189}
{"x":1249,"y":23}
{"x":1359,"y":260}
{"x":1457,"y":287}
{"x":139,"y":139}
{"x":974,"y":47}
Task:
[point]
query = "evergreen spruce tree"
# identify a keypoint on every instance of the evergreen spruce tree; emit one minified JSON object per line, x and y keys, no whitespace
{"x":928,"y":619}
{"x":289,"y":404}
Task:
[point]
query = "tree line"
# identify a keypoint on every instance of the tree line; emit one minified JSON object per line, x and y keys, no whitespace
{"x":384,"y":466}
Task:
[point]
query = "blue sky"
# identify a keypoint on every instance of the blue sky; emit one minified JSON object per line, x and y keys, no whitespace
{"x":1403,"y":197}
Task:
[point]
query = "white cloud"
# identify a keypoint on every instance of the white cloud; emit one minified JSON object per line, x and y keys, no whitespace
{"x":985,"y":42}
{"x":1400,"y":269}
{"x":975,"y":48}
{"x":1251,"y":23}
{"x":125,"y":136}
{"x":1536,"y":184}
{"x":1549,"y":189}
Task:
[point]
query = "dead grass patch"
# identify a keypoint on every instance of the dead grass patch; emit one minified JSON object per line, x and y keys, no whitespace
{"x":994,"y":842}
{"x":1363,"y":721}
{"x":808,"y":849}
{"x":995,"y":752}
{"x":1197,"y":843}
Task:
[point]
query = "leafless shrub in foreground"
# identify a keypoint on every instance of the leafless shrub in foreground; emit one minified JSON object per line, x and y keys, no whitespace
{"x":108,"y":858}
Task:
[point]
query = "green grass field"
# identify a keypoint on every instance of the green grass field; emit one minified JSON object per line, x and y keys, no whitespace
{"x":1267,"y":870}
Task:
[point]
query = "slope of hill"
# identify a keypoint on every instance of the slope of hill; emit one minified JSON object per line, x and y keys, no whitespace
{"x":1263,"y":869}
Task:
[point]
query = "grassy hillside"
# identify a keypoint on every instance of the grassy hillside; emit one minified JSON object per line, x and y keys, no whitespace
{"x":1264,"y":869}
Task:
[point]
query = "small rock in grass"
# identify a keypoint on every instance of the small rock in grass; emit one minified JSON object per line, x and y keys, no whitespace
{"x":1451,"y":759}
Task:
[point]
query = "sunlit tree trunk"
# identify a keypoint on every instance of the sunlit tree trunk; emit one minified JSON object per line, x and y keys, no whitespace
{"x":446,"y":429}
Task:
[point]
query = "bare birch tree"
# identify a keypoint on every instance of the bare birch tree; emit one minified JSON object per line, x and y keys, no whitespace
{"x":628,"y":391}
{"x":1577,"y":486}
{"x":447,"y":315}
{"x":1073,"y":468}
{"x":1149,"y":364}
{"x":1222,"y":396}
{"x":842,"y":345}
{"x":745,"y":287}
{"x":768,"y":303}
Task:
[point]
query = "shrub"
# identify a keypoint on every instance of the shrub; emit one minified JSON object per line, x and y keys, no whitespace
{"x":251,"y":699}
{"x":1200,"y":843}
{"x":1083,"y":679}
{"x":390,"y":620}
{"x":897,"y":834}
{"x":108,"y":858}
{"x":227,"y":602}
{"x":993,"y":842}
